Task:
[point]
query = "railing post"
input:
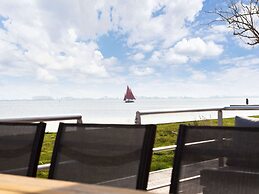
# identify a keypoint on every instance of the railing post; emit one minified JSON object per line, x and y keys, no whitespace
{"x":138,"y":118}
{"x":220,"y":118}
{"x":79,"y":120}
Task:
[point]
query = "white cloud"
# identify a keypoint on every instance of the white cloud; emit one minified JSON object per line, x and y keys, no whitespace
{"x":237,"y":81}
{"x":173,"y":58}
{"x":137,"y":57}
{"x":55,"y":44}
{"x":198,"y":75}
{"x":50,"y":34}
{"x":220,"y":29}
{"x":165,"y":28}
{"x":44,"y":75}
{"x":63,"y":57}
{"x":234,"y":77}
{"x":216,"y":33}
{"x":248,"y":61}
{"x":227,"y":82}
{"x":60,"y":15}
{"x":167,"y":57}
{"x":145,"y":47}
{"x":141,"y":71}
{"x":103,"y":16}
{"x":34,"y":39}
{"x":196,"y":48}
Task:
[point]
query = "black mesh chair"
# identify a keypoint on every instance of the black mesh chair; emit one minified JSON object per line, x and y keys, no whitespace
{"x":106,"y":154}
{"x":20,"y":146}
{"x":216,"y":160}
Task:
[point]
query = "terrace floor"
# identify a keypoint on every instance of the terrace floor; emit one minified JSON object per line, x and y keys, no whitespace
{"x":159,"y":179}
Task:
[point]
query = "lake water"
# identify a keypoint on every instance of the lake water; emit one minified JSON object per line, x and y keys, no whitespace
{"x":116,"y":111}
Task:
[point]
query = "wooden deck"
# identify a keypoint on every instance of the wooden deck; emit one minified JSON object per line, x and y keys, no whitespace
{"x":159,"y":179}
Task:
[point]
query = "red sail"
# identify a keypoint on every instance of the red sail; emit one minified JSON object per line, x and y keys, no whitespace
{"x":129,"y":95}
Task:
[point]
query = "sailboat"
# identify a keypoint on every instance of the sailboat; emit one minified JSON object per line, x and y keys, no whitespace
{"x":129,"y":97}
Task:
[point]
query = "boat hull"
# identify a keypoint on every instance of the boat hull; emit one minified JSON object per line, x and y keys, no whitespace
{"x":129,"y":101}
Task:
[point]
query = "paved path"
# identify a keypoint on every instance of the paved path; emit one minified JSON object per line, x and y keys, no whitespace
{"x":160,"y":178}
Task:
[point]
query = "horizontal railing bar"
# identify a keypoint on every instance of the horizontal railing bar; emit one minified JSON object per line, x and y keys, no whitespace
{"x":164,"y":148}
{"x":190,"y":178}
{"x":178,"y":111}
{"x":245,"y":107}
{"x":44,"y":118}
{"x":241,"y":108}
{"x":219,"y":110}
{"x":46,"y":166}
{"x":43,"y":166}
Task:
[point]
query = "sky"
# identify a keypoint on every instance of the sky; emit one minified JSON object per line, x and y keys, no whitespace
{"x":94,"y":49}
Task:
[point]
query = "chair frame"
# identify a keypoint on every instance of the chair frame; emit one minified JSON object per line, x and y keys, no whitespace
{"x":36,"y":146}
{"x":180,"y":146}
{"x":146,"y":154}
{"x":177,"y":159}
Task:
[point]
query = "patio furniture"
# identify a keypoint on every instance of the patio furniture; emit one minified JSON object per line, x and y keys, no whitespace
{"x":246,"y":122}
{"x":106,"y":154}
{"x":20,"y":146}
{"x":216,"y":160}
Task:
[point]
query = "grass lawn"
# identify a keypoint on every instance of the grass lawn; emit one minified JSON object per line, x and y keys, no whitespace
{"x":166,"y":135}
{"x":46,"y":153}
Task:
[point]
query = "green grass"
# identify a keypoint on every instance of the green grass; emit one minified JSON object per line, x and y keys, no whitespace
{"x":46,"y":153}
{"x":166,"y":135}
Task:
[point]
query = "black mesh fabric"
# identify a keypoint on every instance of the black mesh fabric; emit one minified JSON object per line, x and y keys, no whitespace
{"x":101,"y":154}
{"x":20,"y":145}
{"x":216,"y":160}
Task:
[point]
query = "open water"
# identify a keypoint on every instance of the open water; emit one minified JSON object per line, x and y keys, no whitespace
{"x":116,"y":111}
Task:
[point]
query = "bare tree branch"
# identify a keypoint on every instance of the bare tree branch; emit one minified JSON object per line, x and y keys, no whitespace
{"x":242,"y":18}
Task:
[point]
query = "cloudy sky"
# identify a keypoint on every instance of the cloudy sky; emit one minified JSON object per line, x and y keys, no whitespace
{"x":85,"y":48}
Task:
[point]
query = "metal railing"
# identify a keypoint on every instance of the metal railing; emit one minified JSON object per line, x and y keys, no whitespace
{"x":78,"y":118}
{"x":218,"y":110}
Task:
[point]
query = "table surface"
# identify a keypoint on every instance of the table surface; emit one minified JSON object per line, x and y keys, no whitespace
{"x":12,"y":184}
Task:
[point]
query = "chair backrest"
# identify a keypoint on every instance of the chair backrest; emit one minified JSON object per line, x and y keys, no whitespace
{"x":216,"y":160}
{"x":108,"y":154}
{"x":246,"y":122}
{"x":20,"y":146}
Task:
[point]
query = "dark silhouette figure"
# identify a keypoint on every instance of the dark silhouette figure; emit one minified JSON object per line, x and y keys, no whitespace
{"x":247,"y":101}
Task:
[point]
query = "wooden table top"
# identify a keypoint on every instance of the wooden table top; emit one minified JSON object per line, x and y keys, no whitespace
{"x":12,"y":184}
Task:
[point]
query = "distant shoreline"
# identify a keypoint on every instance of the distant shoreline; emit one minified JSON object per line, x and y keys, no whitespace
{"x":49,"y":98}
